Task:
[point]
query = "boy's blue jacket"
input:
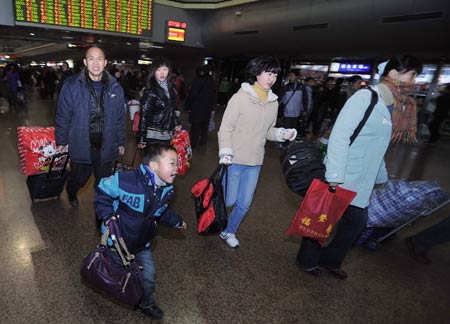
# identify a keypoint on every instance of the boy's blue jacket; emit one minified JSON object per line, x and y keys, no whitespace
{"x":133,"y":196}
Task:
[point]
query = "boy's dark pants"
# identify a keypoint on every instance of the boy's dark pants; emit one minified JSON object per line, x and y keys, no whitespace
{"x":145,"y":260}
{"x":311,"y":254}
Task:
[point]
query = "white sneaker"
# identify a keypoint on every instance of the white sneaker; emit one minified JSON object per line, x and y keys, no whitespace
{"x":230,"y":239}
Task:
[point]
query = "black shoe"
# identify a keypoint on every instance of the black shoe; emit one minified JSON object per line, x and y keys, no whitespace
{"x":415,"y":253}
{"x":316,"y":272}
{"x":153,"y":311}
{"x":73,"y":201}
{"x":338,"y":273}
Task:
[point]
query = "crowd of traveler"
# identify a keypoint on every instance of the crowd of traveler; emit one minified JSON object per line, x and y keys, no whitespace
{"x":90,"y":125}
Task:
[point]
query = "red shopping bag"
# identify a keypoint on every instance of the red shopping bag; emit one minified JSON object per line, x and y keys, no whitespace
{"x":320,"y":210}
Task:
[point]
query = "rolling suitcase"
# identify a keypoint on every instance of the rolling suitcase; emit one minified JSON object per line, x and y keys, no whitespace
{"x":398,"y":204}
{"x":50,"y":184}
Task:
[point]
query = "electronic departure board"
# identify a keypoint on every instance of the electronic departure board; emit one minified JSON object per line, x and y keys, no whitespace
{"x":122,"y":16}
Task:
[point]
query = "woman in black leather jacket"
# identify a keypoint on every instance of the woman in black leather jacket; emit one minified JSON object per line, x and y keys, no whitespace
{"x":158,"y":118}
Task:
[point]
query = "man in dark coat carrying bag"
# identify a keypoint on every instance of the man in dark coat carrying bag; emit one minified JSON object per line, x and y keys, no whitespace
{"x":90,"y":122}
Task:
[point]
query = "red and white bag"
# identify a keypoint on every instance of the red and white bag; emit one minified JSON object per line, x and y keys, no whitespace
{"x":133,"y":106}
{"x":36,"y":146}
{"x":182,"y":143}
{"x":136,"y":121}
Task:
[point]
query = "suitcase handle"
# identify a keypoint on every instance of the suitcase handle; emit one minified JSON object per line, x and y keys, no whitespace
{"x":54,"y":157}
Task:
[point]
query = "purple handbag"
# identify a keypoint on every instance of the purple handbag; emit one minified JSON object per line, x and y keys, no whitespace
{"x":122,"y":281}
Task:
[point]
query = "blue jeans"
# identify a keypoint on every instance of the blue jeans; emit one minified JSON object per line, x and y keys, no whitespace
{"x":241,"y":185}
{"x":145,"y":260}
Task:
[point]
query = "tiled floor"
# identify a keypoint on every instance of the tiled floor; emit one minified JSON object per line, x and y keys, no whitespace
{"x":199,"y":279}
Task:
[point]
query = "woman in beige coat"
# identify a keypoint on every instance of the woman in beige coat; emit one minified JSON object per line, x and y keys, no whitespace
{"x":248,"y":121}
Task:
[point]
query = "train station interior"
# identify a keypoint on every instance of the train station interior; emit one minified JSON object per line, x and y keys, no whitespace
{"x":199,"y":279}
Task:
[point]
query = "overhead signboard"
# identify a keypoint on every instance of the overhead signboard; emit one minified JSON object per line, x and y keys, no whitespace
{"x":176,"y":31}
{"x":118,"y":16}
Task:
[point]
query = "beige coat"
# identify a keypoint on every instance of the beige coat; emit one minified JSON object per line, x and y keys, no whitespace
{"x":246,"y":125}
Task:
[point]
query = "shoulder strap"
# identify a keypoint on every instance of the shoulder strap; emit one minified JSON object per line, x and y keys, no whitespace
{"x":373,"y":102}
{"x":292,"y":94}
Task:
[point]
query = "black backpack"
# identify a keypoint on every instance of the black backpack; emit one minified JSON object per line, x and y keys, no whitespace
{"x":303,"y":162}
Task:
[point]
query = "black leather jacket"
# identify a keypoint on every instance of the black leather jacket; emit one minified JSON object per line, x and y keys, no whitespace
{"x":157,"y":111}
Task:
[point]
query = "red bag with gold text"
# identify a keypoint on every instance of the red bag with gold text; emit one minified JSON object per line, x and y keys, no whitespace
{"x":320,"y":210}
{"x":181,"y":142}
{"x":36,"y":146}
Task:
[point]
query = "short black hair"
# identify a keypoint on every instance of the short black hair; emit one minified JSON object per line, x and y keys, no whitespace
{"x":403,"y":64}
{"x":259,"y":65}
{"x":309,"y":79}
{"x":154,"y":151}
{"x":100,"y":47}
{"x":354,"y":78}
{"x":339,"y":81}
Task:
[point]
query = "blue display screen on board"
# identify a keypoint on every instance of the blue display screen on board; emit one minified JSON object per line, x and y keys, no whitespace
{"x":354,"y":68}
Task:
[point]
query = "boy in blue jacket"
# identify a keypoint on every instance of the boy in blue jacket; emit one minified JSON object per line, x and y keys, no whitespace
{"x":139,"y":199}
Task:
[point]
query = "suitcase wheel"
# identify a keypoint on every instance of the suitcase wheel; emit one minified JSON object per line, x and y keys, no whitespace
{"x":372,"y":245}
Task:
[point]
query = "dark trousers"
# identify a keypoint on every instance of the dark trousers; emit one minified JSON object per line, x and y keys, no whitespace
{"x":81,"y":172}
{"x":199,"y":133}
{"x":434,"y":127}
{"x":291,"y":122}
{"x":150,"y":141}
{"x":434,"y":235}
{"x":311,"y":254}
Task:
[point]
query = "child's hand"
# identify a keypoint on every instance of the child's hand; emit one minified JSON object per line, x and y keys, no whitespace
{"x":182,"y":226}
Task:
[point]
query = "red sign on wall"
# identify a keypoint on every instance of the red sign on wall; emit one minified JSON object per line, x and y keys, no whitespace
{"x":176,"y":31}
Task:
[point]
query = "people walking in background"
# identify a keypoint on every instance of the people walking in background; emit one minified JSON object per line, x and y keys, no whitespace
{"x":354,"y":83}
{"x":321,"y":103}
{"x":49,"y":80}
{"x":235,"y":86}
{"x":65,"y":73}
{"x":337,"y":98}
{"x":153,"y":181}
{"x":199,"y":105}
{"x":13,"y":78}
{"x":309,"y":105}
{"x":248,"y":122}
{"x":292,"y":98}
{"x":90,"y":122}
{"x":439,"y":115}
{"x":224,"y":91}
{"x":181,"y":88}
{"x":158,"y":105}
{"x":358,"y":167}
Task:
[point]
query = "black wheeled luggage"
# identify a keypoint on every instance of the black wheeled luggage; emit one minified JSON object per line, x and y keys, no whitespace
{"x":50,"y":184}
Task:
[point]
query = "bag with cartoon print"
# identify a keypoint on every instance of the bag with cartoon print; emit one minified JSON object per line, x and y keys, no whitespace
{"x":36,"y":146}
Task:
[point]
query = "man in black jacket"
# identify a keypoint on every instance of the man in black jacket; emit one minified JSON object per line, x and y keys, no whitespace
{"x":90,"y":122}
{"x":199,"y":104}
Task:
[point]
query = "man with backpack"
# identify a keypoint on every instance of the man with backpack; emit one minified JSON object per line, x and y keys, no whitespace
{"x":293,"y":101}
